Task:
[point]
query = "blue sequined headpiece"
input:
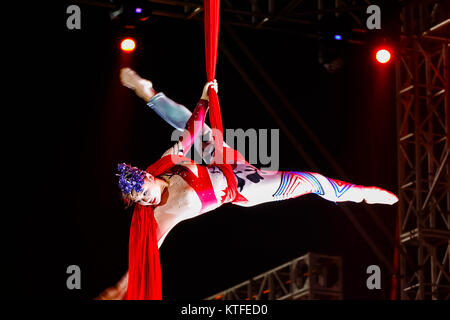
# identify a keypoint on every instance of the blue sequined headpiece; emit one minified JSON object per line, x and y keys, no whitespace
{"x":130,"y":178}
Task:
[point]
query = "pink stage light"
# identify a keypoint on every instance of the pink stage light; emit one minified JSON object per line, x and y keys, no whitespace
{"x":128,"y":45}
{"x":383,"y":55}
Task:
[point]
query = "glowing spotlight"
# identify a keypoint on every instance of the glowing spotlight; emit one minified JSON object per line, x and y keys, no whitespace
{"x":337,"y":37}
{"x":383,"y":56}
{"x":128,"y":45}
{"x":138,"y":10}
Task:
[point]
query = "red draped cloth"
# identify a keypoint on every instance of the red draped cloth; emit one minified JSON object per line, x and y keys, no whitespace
{"x":144,"y":267}
{"x":144,"y":270}
{"x":212,"y":9}
{"x":144,"y":274}
{"x":212,"y":14}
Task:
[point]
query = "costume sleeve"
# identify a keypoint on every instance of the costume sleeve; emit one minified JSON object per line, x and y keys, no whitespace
{"x":193,"y":128}
{"x":177,"y":116}
{"x":194,"y":125}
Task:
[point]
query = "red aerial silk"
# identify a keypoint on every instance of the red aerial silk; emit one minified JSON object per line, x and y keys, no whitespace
{"x":212,"y":12}
{"x":144,"y":274}
{"x":212,"y":15}
{"x":144,"y":268}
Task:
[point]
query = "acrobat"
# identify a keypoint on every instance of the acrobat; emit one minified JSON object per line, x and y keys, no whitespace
{"x":192,"y":189}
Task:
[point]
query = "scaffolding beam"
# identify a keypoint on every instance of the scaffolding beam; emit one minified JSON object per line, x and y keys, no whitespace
{"x":297,"y":17}
{"x":309,"y":277}
{"x":422,"y":81}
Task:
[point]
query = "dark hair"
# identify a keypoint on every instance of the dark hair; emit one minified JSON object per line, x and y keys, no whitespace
{"x":126,"y":200}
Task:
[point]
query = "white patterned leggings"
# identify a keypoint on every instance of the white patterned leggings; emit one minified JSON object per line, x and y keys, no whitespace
{"x":260,"y":186}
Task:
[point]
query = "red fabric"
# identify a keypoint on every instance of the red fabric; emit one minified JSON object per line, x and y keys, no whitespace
{"x":200,"y":182}
{"x":212,"y":16}
{"x":144,"y":274}
{"x":194,"y":125}
{"x":212,"y":12}
{"x":144,"y":278}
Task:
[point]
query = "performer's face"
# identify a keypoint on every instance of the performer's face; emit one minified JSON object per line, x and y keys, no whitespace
{"x":150,"y":194}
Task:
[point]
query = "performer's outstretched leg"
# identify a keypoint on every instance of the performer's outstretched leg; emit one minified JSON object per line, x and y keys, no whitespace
{"x":259,"y":186}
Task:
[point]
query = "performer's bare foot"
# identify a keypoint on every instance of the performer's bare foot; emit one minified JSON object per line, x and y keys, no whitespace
{"x":142,"y":87}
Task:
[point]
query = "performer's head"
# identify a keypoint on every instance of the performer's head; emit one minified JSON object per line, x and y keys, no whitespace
{"x":138,"y":186}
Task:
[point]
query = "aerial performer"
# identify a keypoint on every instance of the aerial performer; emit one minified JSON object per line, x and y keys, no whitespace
{"x":176,"y":188}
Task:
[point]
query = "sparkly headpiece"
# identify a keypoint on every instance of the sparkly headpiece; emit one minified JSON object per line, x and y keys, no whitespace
{"x":130,"y":178}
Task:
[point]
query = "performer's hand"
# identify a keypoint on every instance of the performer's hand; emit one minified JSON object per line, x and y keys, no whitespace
{"x":116,"y":292}
{"x":214,"y":85}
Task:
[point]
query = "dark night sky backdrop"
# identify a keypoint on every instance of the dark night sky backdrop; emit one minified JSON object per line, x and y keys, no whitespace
{"x":87,"y":122}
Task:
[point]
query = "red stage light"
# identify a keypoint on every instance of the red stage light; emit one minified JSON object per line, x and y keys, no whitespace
{"x":128,"y":45}
{"x":383,"y":55}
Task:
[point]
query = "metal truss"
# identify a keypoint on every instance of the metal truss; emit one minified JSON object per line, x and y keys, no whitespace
{"x":312,"y":276}
{"x":261,"y":13}
{"x":423,"y":117}
{"x":294,"y":16}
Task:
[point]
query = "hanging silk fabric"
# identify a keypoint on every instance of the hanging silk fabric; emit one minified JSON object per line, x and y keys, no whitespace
{"x":144,"y":275}
{"x":212,"y":16}
{"x":144,"y":267}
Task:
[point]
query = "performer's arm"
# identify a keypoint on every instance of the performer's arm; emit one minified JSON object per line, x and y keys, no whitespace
{"x":116,"y":292}
{"x":191,"y":131}
{"x":193,"y":126}
{"x":177,"y":116}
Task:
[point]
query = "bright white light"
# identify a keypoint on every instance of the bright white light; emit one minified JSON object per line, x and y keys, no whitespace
{"x":383,"y":56}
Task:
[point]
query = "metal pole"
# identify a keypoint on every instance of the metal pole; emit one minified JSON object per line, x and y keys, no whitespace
{"x":418,"y":172}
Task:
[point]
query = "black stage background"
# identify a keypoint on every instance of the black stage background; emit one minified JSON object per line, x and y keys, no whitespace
{"x":79,"y":122}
